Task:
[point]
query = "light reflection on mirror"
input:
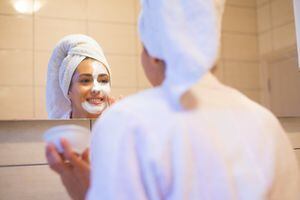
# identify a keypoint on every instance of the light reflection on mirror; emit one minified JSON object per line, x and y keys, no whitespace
{"x":26,"y":6}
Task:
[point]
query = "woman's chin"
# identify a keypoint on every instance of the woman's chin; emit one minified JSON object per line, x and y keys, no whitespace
{"x":95,"y":108}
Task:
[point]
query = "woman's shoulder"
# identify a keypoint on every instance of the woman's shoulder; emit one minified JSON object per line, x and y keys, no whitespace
{"x":132,"y":109}
{"x":140,"y":101}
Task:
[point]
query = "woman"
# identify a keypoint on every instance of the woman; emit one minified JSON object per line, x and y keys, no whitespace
{"x":78,"y":86}
{"x":78,"y":83}
{"x":195,"y":138}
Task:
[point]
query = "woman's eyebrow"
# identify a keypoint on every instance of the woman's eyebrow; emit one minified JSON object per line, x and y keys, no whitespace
{"x":85,"y":75}
{"x":103,"y":75}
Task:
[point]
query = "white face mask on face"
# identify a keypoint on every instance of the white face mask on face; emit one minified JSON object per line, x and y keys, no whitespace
{"x":103,"y":89}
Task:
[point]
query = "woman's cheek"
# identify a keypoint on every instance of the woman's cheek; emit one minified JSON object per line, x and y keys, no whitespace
{"x":84,"y":91}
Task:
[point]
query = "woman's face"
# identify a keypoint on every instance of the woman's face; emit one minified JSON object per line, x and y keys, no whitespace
{"x":89,"y":89}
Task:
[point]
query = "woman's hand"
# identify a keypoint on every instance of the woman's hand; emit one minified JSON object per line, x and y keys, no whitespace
{"x":112,"y":100}
{"x":73,"y":169}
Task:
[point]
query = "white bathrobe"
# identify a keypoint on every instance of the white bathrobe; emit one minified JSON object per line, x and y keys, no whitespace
{"x":228,"y":148}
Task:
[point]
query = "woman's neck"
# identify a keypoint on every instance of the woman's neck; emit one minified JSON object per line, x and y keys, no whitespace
{"x":77,"y":115}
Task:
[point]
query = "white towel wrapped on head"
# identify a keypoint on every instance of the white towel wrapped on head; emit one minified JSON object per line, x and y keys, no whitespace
{"x":65,"y":58}
{"x":186,"y":35}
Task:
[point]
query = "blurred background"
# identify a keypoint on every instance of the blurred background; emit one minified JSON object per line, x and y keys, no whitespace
{"x":258,"y":53}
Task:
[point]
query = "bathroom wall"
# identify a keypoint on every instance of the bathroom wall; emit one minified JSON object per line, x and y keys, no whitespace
{"x":280,"y":76}
{"x":275,"y":24}
{"x":292,"y":127}
{"x":239,"y":66}
{"x":24,"y":173}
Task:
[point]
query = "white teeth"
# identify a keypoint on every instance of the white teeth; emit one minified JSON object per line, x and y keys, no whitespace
{"x":95,"y":100}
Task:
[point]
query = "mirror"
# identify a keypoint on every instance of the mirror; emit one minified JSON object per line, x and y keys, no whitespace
{"x":31,"y":28}
{"x":252,"y":31}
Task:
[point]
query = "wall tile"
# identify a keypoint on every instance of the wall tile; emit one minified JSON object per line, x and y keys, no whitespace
{"x":41,"y":60}
{"x":241,"y":75}
{"x":293,"y":136}
{"x":49,"y":31}
{"x":119,"y":91}
{"x":245,"y":3}
{"x":8,"y":7}
{"x":114,"y":38}
{"x":16,"y":102}
{"x":124,"y":73}
{"x":264,"y":18}
{"x":292,"y":127}
{"x":261,"y":2}
{"x":265,"y":43}
{"x":239,"y":19}
{"x":285,"y":84}
{"x":284,"y":36}
{"x":21,"y":141}
{"x":298,"y":156}
{"x":16,"y":67}
{"x":40,"y":102}
{"x":252,"y":94}
{"x":63,"y":9}
{"x":16,"y":32}
{"x":137,"y":10}
{"x":239,"y":47}
{"x":32,"y":182}
{"x":24,"y":7}
{"x":282,"y":12}
{"x":112,"y":10}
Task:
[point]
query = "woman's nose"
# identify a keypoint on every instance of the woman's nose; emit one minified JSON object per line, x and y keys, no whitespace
{"x":95,"y":91}
{"x":96,"y":88}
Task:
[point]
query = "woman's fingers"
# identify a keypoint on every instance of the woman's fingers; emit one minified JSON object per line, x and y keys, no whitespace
{"x":75,"y":160}
{"x":73,"y":170}
{"x":54,"y":159}
{"x":68,"y":152}
{"x":86,"y":155}
{"x":111,"y":100}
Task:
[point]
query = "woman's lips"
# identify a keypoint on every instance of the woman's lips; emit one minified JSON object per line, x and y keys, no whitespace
{"x":96,"y":101}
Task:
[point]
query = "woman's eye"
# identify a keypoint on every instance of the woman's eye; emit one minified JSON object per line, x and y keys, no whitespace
{"x":103,"y":80}
{"x":85,"y":80}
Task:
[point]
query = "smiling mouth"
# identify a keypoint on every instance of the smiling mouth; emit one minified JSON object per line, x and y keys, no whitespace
{"x":96,"y":101}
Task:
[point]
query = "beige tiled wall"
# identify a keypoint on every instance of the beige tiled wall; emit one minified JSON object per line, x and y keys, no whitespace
{"x":238,"y":65}
{"x":276,"y":26}
{"x":292,"y":127}
{"x":276,"y":40}
{"x":21,"y":173}
{"x":24,"y":171}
